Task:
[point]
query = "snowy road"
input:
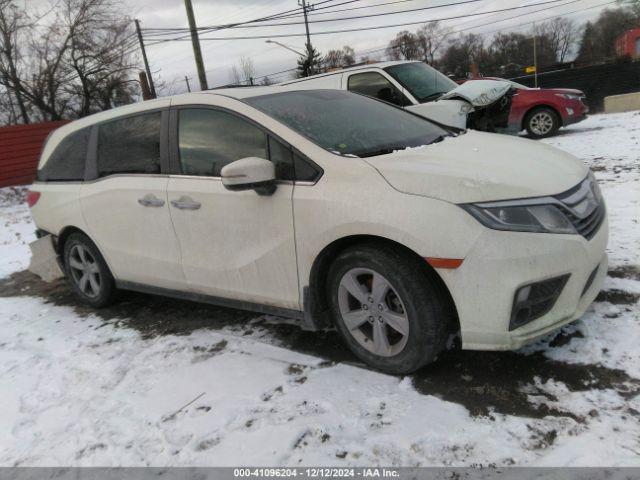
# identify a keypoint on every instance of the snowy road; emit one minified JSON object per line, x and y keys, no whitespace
{"x":152,"y":381}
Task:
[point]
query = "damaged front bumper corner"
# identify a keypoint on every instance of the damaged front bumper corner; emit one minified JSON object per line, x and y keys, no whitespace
{"x":45,"y":261}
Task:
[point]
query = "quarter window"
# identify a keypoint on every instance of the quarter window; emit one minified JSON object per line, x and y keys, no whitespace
{"x":210,"y":139}
{"x":304,"y":171}
{"x":130,"y":145}
{"x":377,"y":86}
{"x":68,"y":159}
{"x":282,"y":157}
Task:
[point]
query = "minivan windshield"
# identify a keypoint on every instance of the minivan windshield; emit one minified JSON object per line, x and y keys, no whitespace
{"x":422,"y":81}
{"x":348,"y":123}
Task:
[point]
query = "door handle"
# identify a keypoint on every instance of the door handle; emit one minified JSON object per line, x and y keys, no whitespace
{"x":150,"y":200}
{"x":186,"y":203}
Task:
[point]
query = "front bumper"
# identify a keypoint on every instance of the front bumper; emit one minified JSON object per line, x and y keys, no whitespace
{"x":574,"y":112}
{"x":484,"y":286}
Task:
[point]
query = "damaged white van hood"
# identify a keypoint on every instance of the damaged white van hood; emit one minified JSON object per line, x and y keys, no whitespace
{"x":481,"y":167}
{"x":452,"y":113}
{"x":453,"y":107}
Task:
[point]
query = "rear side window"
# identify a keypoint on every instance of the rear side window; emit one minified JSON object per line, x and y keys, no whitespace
{"x":377,"y":86}
{"x":66,"y":163}
{"x":130,"y":145}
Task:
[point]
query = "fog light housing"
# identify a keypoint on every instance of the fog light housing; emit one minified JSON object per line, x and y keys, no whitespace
{"x":533,"y":300}
{"x":570,"y":111}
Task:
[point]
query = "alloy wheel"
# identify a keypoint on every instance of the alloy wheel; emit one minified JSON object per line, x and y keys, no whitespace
{"x":85,"y":271}
{"x":373,"y":312}
{"x":541,"y":123}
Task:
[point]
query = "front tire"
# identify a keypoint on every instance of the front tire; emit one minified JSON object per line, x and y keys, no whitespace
{"x":87,"y":272}
{"x":542,"y":122}
{"x":388,"y":309}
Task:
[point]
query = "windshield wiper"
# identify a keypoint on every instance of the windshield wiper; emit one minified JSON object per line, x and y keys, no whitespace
{"x":381,"y":151}
{"x":432,"y":96}
{"x":390,"y":149}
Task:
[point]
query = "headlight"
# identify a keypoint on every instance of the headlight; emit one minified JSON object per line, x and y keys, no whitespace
{"x":534,"y":215}
{"x":568,"y":96}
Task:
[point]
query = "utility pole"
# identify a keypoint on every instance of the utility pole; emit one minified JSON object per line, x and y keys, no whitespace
{"x":144,"y":86}
{"x":152,"y":88}
{"x":535,"y":57}
{"x":195,"y":41}
{"x":305,"y":9}
{"x":186,"y":79}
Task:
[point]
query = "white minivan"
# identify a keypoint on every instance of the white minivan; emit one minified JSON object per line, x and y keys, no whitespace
{"x":329,"y":207}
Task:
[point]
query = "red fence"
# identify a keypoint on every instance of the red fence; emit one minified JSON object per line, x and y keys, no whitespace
{"x":20,"y":147}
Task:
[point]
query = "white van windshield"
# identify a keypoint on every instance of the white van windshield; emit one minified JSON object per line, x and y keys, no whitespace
{"x":422,"y":81}
{"x":348,"y":123}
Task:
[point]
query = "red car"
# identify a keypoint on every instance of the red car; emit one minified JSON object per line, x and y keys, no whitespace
{"x":542,"y":111}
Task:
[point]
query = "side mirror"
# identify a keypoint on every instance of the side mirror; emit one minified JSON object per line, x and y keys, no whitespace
{"x":386,"y":94}
{"x":251,"y":173}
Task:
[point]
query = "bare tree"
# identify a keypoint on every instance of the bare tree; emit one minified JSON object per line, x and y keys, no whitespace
{"x":404,"y":47}
{"x":561,"y":34}
{"x":340,"y":58}
{"x":462,"y":53}
{"x":13,"y":23}
{"x":99,"y":54}
{"x":234,"y":75}
{"x":431,"y":37}
{"x":68,"y":64}
{"x":243,"y":73}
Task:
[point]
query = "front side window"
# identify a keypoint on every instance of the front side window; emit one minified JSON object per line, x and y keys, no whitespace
{"x":377,"y":86}
{"x":67,"y":161}
{"x":348,"y":124}
{"x":130,"y":145}
{"x":210,"y":139}
{"x":422,"y":81}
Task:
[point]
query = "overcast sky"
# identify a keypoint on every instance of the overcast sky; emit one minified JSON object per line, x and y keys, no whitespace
{"x":173,"y":60}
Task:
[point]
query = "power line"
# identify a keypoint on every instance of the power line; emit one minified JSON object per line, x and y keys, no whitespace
{"x":511,"y":18}
{"x":463,"y":2}
{"x":276,"y":74}
{"x":346,"y":9}
{"x":276,"y":16}
{"x":378,"y":27}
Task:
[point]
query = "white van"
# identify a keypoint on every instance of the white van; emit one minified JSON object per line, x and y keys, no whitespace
{"x":481,"y":105}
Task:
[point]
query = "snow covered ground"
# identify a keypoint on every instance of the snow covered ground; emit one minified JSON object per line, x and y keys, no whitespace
{"x":152,"y":381}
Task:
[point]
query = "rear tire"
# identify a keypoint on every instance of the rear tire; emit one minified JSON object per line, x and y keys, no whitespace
{"x":377,"y":291}
{"x":87,"y":272}
{"x":542,"y":122}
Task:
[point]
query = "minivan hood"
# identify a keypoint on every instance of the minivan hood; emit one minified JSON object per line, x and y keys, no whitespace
{"x":480,"y":93}
{"x":480,"y":167}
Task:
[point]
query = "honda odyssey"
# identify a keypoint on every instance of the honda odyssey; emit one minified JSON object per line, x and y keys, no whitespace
{"x":330,"y":207}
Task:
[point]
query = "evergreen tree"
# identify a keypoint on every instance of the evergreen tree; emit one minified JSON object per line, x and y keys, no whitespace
{"x":589,"y":48}
{"x":309,"y":64}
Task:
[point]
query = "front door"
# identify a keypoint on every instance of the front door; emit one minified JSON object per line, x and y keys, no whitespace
{"x":236,"y":245}
{"x":126,"y":207}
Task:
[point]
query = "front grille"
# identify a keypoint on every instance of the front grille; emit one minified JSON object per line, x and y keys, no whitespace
{"x":584,"y":207}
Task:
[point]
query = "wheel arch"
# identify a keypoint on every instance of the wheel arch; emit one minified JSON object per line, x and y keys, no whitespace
{"x":316,"y":305}
{"x":538,"y":106}
{"x":66,"y":232}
